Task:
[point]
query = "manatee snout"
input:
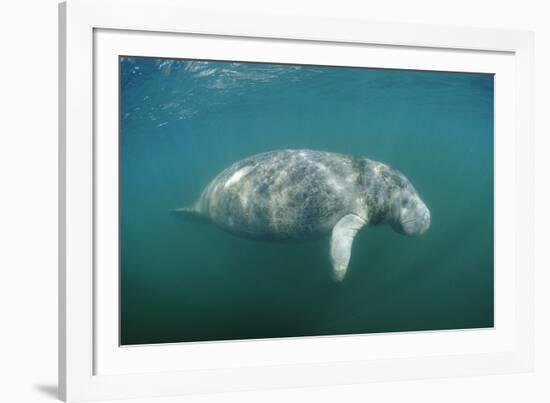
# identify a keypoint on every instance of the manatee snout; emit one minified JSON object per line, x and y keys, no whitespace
{"x":414,"y":220}
{"x":421,"y":223}
{"x":409,"y":214}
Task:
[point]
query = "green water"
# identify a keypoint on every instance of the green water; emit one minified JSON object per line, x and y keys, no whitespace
{"x":182,"y":122}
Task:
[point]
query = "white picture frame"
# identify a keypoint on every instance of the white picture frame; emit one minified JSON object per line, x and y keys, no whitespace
{"x":85,"y":335}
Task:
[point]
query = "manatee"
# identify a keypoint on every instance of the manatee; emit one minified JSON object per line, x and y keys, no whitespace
{"x":297,"y":195}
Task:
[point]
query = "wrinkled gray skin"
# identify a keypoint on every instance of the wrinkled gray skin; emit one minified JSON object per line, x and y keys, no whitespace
{"x":291,"y":195}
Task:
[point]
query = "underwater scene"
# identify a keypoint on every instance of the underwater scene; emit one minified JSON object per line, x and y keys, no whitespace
{"x":270,"y":200}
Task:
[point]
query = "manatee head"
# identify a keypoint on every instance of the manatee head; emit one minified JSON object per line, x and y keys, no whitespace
{"x":408,"y":214}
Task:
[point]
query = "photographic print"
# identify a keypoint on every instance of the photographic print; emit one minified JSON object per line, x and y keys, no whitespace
{"x":262,"y":200}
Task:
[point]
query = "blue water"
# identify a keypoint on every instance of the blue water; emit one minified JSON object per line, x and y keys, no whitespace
{"x":182,"y":122}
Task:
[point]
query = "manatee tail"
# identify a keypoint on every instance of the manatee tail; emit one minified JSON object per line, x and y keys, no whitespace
{"x":190,"y":213}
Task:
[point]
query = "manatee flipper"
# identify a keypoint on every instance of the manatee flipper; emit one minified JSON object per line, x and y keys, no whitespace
{"x":190,"y":213}
{"x":341,"y":241}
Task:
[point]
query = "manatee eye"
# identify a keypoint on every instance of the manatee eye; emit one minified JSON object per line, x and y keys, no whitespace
{"x":404,"y":202}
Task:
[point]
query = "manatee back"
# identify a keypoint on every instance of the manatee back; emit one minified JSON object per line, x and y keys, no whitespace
{"x":282,"y":195}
